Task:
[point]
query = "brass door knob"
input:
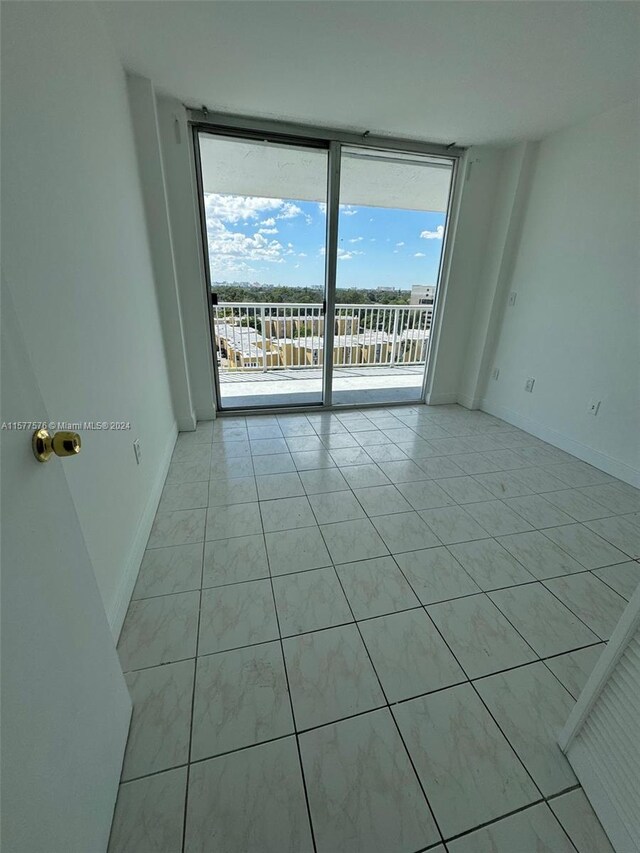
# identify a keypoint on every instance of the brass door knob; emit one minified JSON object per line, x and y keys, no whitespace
{"x":62,"y":444}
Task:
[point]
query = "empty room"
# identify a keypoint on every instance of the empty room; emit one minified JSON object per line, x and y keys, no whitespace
{"x":320,"y":426}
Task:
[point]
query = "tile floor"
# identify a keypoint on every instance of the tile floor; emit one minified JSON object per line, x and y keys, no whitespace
{"x":360,"y":632}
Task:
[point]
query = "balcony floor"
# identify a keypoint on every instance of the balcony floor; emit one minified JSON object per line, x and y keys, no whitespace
{"x":351,"y":386}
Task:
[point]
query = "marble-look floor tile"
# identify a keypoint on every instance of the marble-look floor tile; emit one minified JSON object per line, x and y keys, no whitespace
{"x":361,"y":476}
{"x":293,"y":425}
{"x":350,"y":456}
{"x":237,"y":615}
{"x":577,"y":505}
{"x":506,"y":459}
{"x":243,"y":558}
{"x":386,"y":453}
{"x":405,"y":531}
{"x":159,"y":630}
{"x":363,"y":794}
{"x":591,"y":600}
{"x":465,"y":490}
{"x":225,"y":522}
{"x":257,"y":430}
{"x":453,"y":524}
{"x":336,"y":441}
{"x":286,"y":514}
{"x":623,"y":577}
{"x":450,"y":446}
{"x":167,"y":570}
{"x":231,"y":469}
{"x":614,"y":499}
{"x":538,"y":511}
{"x":336,"y":506}
{"x":184,"y":496}
{"x":276,"y":463}
{"x":296,"y":550}
{"x":531,"y":707}
{"x":416,"y":450}
{"x":622,"y":531}
{"x":180,"y":527}
{"x":236,"y":433}
{"x":330,"y":676}
{"x":469,"y":772}
{"x":503,"y":484}
{"x":546,"y":624}
{"x":440,"y":467}
{"x":538,"y":479}
{"x":188,"y":472}
{"x":574,"y":812}
{"x":435,"y":575}
{"x":409,"y":655}
{"x":252,"y":800}
{"x":585,"y":546}
{"x":375,"y":587}
{"x":473,"y":463}
{"x":309,"y":460}
{"x":489,"y":564}
{"x":241,"y":698}
{"x":381,"y":500}
{"x":576,"y":474}
{"x":229,"y":450}
{"x":149,"y":815}
{"x":496,"y":518}
{"x":402,"y":471}
{"x":425,"y":494}
{"x":309,"y":601}
{"x":271,"y":486}
{"x":161,"y":720}
{"x":323,"y":480}
{"x":542,"y":557}
{"x":268,"y":446}
{"x":534,"y":829}
{"x":574,"y":668}
{"x":352,"y":540}
{"x":224,"y":492}
{"x":479,"y":635}
{"x":300,"y":443}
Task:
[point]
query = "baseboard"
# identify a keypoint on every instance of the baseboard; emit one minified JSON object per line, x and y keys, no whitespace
{"x":187,"y":424}
{"x":441,"y":399}
{"x":599,"y":460}
{"x":469,"y":402}
{"x":132,"y":566}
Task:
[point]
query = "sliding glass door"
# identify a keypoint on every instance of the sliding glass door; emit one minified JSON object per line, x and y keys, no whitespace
{"x":393,"y":212}
{"x":264,"y":206}
{"x":274,"y":265}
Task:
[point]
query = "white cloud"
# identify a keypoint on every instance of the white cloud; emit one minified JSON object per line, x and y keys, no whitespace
{"x":344,"y":255}
{"x":237,"y":208}
{"x":323,"y":207}
{"x":401,"y":243}
{"x":438,"y":234}
{"x":289,"y":211}
{"x":356,"y":239}
{"x":302,"y":254}
{"x":268,"y":223}
{"x":267,"y":231}
{"x":419,"y":255}
{"x":347,"y":210}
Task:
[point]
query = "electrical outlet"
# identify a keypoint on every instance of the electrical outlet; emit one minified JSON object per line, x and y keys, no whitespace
{"x":594,"y":407}
{"x":495,"y":373}
{"x":528,"y":385}
{"x":137,"y":450}
{"x":512,"y":297}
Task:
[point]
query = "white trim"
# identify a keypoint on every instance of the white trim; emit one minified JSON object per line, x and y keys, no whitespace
{"x":442,"y":399}
{"x":600,"y":460}
{"x":469,"y":402}
{"x":136,"y":552}
{"x":597,"y":792}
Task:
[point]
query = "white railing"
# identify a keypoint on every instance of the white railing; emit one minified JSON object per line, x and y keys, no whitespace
{"x":270,"y":336}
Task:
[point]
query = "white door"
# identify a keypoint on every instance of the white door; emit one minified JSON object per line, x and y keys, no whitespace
{"x":65,"y":706}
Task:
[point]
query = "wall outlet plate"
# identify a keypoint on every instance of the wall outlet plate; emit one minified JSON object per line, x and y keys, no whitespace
{"x":512,"y":297}
{"x":528,"y":385}
{"x":594,"y":407}
{"x":495,"y":373}
{"x":137,"y":450}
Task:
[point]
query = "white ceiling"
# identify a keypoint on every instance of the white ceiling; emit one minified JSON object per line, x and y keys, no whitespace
{"x":466,"y":72}
{"x":270,"y":170}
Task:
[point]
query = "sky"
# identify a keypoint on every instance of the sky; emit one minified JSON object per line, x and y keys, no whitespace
{"x":282,"y":241}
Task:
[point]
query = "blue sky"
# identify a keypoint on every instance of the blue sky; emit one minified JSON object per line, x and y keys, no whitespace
{"x":281,"y":241}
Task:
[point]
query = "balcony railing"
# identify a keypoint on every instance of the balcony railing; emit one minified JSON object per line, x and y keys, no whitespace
{"x":268,"y":336}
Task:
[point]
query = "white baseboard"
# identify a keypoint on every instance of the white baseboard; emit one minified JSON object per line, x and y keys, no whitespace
{"x":441,"y":399}
{"x":603,"y":461}
{"x":136,"y":553}
{"x":469,"y":402}
{"x":187,"y":424}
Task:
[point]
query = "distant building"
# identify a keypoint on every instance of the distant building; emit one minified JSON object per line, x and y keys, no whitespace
{"x":422,"y":294}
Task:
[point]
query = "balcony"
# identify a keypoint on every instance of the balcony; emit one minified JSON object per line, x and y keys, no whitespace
{"x":272,"y":354}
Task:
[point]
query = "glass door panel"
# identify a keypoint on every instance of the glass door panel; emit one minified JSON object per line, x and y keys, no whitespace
{"x":392,"y":218}
{"x":265,"y":216}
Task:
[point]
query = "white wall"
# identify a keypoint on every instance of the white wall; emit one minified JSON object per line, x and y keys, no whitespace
{"x":575,"y":325}
{"x":75,"y":247}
